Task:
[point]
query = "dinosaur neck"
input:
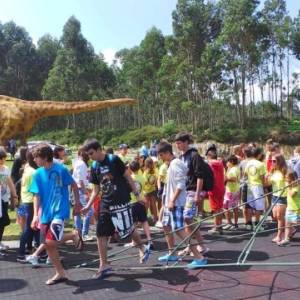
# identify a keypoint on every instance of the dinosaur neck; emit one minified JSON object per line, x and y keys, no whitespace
{"x":53,"y":108}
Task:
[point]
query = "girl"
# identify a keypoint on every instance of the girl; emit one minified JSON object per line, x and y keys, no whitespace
{"x":279,"y":197}
{"x":232,"y":192}
{"x":292,"y":216}
{"x":7,"y":191}
{"x":150,"y":189}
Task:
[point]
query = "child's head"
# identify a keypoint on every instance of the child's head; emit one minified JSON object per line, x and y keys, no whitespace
{"x":149,"y":165}
{"x":3,"y":155}
{"x":291,"y":176}
{"x":280,"y":163}
{"x":232,"y":160}
{"x":134,"y":166}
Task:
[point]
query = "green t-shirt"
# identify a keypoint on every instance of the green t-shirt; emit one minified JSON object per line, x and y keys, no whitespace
{"x":278,"y":183}
{"x":139,"y":182}
{"x":233,"y":173}
{"x":293,"y":203}
{"x":254,"y":170}
{"x":26,"y":181}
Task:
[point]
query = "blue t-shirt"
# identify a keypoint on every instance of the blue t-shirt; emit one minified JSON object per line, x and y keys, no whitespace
{"x":52,"y":187}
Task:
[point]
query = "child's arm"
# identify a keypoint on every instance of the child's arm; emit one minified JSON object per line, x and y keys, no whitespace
{"x":14,"y":197}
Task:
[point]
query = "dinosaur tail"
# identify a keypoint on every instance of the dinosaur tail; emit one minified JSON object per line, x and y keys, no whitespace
{"x":55,"y":108}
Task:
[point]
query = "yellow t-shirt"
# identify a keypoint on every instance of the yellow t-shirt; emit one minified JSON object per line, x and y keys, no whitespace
{"x":233,"y":173}
{"x":293,"y":203}
{"x":278,"y":182}
{"x":26,"y":196}
{"x":254,"y":170}
{"x":150,"y":181}
{"x":162,"y":173}
{"x":139,"y":182}
{"x":124,"y":158}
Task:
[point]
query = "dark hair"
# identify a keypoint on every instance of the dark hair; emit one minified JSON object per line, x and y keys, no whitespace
{"x":3,"y":153}
{"x":23,"y":153}
{"x":183,"y":137}
{"x":292,"y":175}
{"x":280,"y":164}
{"x":91,"y":144}
{"x":43,"y":151}
{"x":30,"y":159}
{"x":56,"y":151}
{"x":134,"y":166}
{"x":248,"y":152}
{"x":212,"y":154}
{"x":233,"y":160}
{"x":275,"y":147}
{"x":110,"y":150}
{"x":149,"y":162}
{"x":81,"y":152}
{"x":257,"y":152}
{"x":164,"y":147}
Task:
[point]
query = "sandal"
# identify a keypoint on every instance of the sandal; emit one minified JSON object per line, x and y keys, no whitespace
{"x":78,"y":241}
{"x":103,"y":274}
{"x":56,"y":281}
{"x":293,"y":233}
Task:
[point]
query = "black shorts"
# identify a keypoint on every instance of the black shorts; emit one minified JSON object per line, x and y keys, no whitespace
{"x":115,"y":218}
{"x":4,"y":220}
{"x":139,"y":212}
{"x":244,"y":192}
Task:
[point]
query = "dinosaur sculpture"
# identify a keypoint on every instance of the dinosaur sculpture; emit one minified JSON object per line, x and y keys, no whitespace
{"x":17,"y":117}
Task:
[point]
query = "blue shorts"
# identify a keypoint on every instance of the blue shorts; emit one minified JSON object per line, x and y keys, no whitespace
{"x":173,"y":218}
{"x":21,"y":211}
{"x":190,"y":208}
{"x":279,"y":200}
{"x":292,"y":216}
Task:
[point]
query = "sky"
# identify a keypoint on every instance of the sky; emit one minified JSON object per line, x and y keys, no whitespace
{"x":109,"y":25}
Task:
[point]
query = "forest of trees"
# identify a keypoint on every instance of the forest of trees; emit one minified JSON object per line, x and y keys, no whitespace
{"x":227,"y":63}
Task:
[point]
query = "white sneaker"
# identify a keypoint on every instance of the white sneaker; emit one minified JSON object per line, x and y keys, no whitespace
{"x":129,"y":245}
{"x":87,"y":238}
{"x":48,"y":262}
{"x":158,"y":224}
{"x":3,"y":247}
{"x":32,"y":259}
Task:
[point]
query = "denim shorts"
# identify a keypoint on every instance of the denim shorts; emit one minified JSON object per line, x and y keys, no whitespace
{"x":21,"y":211}
{"x":279,"y":200}
{"x":173,"y":218}
{"x":292,"y":216}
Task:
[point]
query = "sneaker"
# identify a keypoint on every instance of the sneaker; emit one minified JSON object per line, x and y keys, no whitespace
{"x":128,"y":245}
{"x":32,"y":259}
{"x":159,"y":224}
{"x":248,"y":227}
{"x":3,"y":247}
{"x":151,"y":246}
{"x":167,"y":257}
{"x":228,"y":226}
{"x":21,"y":259}
{"x":215,"y":231}
{"x":197,"y":263}
{"x":283,"y":243}
{"x":146,"y":255}
{"x":48,"y":262}
{"x":260,"y":229}
{"x":88,"y":238}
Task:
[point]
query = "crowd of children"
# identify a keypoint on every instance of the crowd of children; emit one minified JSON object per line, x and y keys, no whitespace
{"x":150,"y":187}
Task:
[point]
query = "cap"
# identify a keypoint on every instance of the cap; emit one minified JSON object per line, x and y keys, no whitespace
{"x":123,"y":146}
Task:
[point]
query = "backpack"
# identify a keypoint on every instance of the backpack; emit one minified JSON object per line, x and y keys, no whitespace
{"x":208,"y":175}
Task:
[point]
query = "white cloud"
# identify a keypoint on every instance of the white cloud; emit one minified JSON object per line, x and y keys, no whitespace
{"x":109,"y":55}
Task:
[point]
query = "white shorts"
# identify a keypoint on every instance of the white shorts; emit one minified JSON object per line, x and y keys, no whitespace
{"x":255,"y":197}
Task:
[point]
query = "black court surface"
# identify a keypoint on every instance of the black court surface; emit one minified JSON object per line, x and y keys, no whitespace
{"x":259,"y":279}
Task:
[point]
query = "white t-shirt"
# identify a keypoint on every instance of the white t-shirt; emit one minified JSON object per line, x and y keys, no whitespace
{"x":176,"y":178}
{"x":80,"y":172}
{"x":5,"y":192}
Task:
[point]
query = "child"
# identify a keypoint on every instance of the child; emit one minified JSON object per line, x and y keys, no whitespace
{"x":292,"y":215}
{"x":216,"y":195}
{"x":150,"y":189}
{"x":279,"y":197}
{"x":139,"y":212}
{"x":232,"y":192}
{"x":7,"y":191}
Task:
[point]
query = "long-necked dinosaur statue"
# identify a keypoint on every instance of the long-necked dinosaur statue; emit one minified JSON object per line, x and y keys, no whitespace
{"x":17,"y":117}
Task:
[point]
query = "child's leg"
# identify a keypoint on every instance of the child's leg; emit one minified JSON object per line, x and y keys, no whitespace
{"x":281,"y":220}
{"x":147,"y":230}
{"x":153,"y":208}
{"x":236,"y":215}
